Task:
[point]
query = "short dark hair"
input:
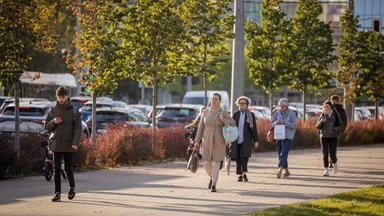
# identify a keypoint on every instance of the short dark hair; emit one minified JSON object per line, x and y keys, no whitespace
{"x":334,"y":97}
{"x":218,"y":95}
{"x":62,"y":91}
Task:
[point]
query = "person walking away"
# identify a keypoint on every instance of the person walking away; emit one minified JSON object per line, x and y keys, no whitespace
{"x":343,"y":115}
{"x":214,"y":146}
{"x":64,"y":123}
{"x":329,"y":125}
{"x":241,"y":149}
{"x":286,"y":117}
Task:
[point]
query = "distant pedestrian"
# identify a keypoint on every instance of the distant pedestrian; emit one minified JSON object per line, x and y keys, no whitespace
{"x":286,"y":117}
{"x":193,"y":127}
{"x":64,"y":123}
{"x":330,"y":125}
{"x":210,"y":130}
{"x":241,"y":149}
{"x":343,"y":115}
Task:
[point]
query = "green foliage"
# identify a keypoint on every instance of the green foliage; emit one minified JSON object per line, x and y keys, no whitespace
{"x":96,"y":44}
{"x":269,"y":47}
{"x":153,"y":41}
{"x":25,"y":27}
{"x":348,"y":45}
{"x":312,"y":47}
{"x":370,"y":77}
{"x":207,"y":26}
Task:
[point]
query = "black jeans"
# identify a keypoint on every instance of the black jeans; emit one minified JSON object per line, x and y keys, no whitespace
{"x":329,"y":147}
{"x":68,"y":161}
{"x":241,"y":162}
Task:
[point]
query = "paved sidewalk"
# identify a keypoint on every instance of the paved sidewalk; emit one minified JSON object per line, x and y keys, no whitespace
{"x":170,"y":189}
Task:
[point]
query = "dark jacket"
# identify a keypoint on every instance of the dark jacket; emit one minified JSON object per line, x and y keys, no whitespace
{"x":343,"y":115}
{"x":332,"y":126}
{"x":68,"y":132}
{"x":249,"y":134}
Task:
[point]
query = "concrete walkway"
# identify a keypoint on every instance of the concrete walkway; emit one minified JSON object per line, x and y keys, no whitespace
{"x":169,"y":189}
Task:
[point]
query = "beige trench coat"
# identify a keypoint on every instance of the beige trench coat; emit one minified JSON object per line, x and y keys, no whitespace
{"x":210,"y":130}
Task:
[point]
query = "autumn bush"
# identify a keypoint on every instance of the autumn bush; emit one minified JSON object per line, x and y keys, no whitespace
{"x":123,"y":145}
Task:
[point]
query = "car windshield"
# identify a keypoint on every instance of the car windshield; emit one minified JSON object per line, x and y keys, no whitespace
{"x":178,"y":112}
{"x":77,"y":104}
{"x":193,"y":100}
{"x":88,"y":107}
{"x":25,"y":111}
{"x":110,"y":116}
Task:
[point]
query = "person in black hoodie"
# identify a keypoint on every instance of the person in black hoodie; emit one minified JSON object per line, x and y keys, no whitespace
{"x":63,"y":122}
{"x":329,"y":125}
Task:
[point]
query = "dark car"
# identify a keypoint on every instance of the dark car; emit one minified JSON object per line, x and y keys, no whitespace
{"x":107,"y":116}
{"x":79,"y":102}
{"x":176,"y":114}
{"x":86,"y":110}
{"x":11,"y":100}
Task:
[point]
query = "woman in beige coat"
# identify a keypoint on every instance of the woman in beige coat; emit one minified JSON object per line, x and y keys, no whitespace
{"x":210,"y":130}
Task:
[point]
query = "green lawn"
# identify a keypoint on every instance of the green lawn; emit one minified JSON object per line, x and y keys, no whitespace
{"x":367,"y":201}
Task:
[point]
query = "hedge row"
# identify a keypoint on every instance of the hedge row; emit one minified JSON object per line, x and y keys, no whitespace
{"x":132,"y":145}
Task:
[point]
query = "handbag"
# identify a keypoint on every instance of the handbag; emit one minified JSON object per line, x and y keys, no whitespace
{"x":230,"y":133}
{"x":279,"y":132}
{"x":193,"y":161}
{"x":270,"y":135}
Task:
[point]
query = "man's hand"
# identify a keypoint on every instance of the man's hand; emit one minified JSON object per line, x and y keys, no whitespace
{"x":256,"y":144}
{"x":74,"y":147}
{"x":57,"y":120}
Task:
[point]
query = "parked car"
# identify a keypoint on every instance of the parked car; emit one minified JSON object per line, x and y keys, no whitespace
{"x":365,"y":113}
{"x":107,"y":116}
{"x":197,"y":97}
{"x":257,"y":113}
{"x":79,"y":101}
{"x":173,"y":114}
{"x":86,"y":110}
{"x":265,"y":111}
{"x":145,"y":108}
{"x":119,"y":104}
{"x":21,"y":100}
{"x":2,"y":99}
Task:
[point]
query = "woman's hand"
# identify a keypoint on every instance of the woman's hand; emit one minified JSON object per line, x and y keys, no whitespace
{"x":280,"y":122}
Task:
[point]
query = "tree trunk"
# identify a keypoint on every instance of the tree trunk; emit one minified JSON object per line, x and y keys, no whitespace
{"x":271,"y":102}
{"x":154,"y":103}
{"x":93,"y":135}
{"x":17,"y":116}
{"x":376,"y":110}
{"x":347,"y":103}
{"x":304,"y":104}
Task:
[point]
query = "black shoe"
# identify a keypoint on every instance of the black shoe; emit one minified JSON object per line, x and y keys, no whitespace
{"x":213,"y":188}
{"x":245,"y":178}
{"x":71,"y":194}
{"x":210,"y":184}
{"x":240,"y":179}
{"x":56,"y":198}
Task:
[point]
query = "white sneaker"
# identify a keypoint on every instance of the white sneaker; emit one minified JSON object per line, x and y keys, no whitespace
{"x":335,"y":168}
{"x":326,"y":173}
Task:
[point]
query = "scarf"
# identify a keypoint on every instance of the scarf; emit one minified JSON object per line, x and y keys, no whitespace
{"x":249,"y":116}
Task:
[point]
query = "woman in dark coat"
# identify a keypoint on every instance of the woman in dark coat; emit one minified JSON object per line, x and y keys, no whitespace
{"x":241,"y":149}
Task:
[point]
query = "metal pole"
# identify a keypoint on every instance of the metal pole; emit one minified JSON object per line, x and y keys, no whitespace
{"x":237,"y":83}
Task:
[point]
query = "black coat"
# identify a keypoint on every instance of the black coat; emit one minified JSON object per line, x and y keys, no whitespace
{"x":250,"y":137}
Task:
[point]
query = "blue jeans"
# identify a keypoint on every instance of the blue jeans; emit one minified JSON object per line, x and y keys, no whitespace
{"x":282,"y":148}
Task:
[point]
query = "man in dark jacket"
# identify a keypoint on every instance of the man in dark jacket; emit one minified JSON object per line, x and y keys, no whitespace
{"x":241,"y":149}
{"x":64,"y":124}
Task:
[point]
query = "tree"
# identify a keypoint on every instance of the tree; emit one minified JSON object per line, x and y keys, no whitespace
{"x":207,"y":26}
{"x":348,"y":56}
{"x":312,"y":48}
{"x":25,"y":27}
{"x":370,"y":77}
{"x":269,"y":47}
{"x":153,"y":45}
{"x":94,"y":61}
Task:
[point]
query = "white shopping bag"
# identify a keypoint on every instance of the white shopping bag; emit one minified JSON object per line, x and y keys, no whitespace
{"x":279,"y":132}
